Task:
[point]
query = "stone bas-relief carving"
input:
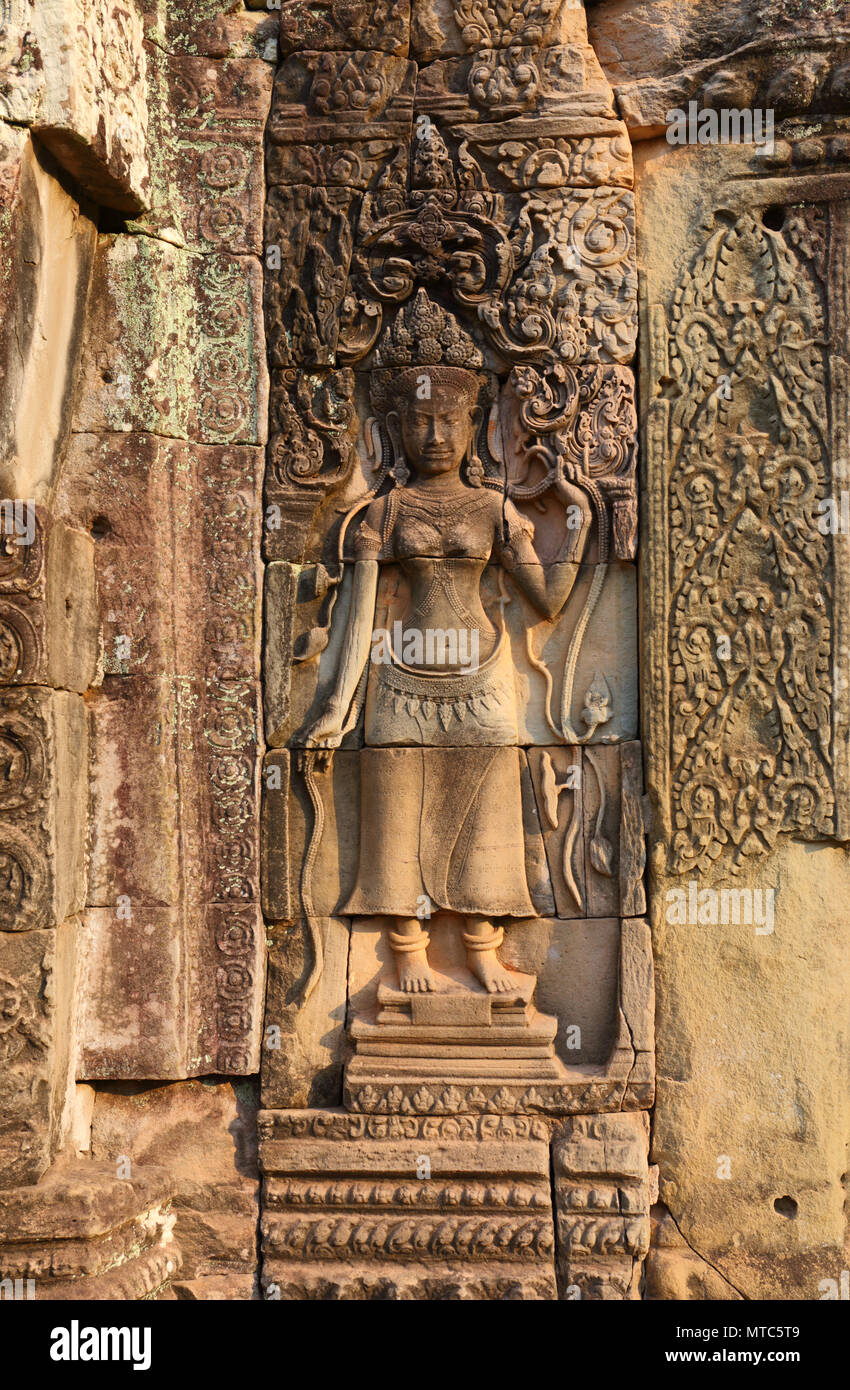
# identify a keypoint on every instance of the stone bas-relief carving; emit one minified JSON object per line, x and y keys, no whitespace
{"x":453,"y":818}
{"x":441,"y":831}
{"x":442,"y":820}
{"x":390,"y":887}
{"x":745,"y":366}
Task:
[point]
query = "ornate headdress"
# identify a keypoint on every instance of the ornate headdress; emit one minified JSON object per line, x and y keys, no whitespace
{"x":424,"y":339}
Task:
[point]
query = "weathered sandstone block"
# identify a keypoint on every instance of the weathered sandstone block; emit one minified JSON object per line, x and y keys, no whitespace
{"x":135,"y":837}
{"x":206,"y":151}
{"x":92,"y":112}
{"x":675,"y":1271}
{"x":422,"y":1203}
{"x":48,"y":613}
{"x":304,"y":1042}
{"x":184,"y":365}
{"x":43,"y":807}
{"x":171,"y":991}
{"x":49,"y":239}
{"x":499,"y":83}
{"x":602,"y":1206}
{"x":342,"y":25}
{"x":203,"y":1135}
{"x":87,"y":1232}
{"x":210,"y":28}
{"x":763,"y":54}
{"x":340,"y":119}
{"x":441,"y":27}
{"x":313,"y":229}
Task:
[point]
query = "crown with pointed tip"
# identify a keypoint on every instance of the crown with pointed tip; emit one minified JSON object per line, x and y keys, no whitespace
{"x":425,"y":335}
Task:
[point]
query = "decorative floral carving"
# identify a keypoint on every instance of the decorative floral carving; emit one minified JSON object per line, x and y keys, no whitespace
{"x":506,"y":22}
{"x":421,"y":1237}
{"x":559,"y":283}
{"x":750,"y":636}
{"x":346,"y":84}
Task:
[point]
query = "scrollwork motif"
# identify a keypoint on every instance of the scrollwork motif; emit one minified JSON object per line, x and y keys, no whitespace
{"x":750,"y":637}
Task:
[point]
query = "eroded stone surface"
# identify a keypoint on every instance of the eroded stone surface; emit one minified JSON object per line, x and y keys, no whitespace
{"x":87,"y":1233}
{"x":38,"y":984}
{"x":204,"y":1135}
{"x":175,"y":827}
{"x":343,"y":25}
{"x":48,"y":617}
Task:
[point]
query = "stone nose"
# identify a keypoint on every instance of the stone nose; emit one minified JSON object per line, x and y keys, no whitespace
{"x":435,"y":432}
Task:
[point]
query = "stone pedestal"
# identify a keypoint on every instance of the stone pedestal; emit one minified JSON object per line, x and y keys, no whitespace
{"x":405,"y":1207}
{"x":463,"y":1037}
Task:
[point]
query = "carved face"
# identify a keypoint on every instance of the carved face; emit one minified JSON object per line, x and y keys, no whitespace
{"x":436,"y":433}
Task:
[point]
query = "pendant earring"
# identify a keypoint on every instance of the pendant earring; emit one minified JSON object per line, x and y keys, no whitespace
{"x":399,"y":471}
{"x":474,"y":467}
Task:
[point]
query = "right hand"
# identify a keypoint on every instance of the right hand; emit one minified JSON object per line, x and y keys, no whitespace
{"x":326,"y":731}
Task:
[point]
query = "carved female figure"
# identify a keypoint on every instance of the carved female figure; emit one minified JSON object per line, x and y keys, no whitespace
{"x":441,"y":808}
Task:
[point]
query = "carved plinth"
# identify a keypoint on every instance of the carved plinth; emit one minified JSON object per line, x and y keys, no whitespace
{"x":460,"y":1050}
{"x":459,"y":1020}
{"x":391,"y":1207}
{"x":458,"y":1037}
{"x":602,"y":1199}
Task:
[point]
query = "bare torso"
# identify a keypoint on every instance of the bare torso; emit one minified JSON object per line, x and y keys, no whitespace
{"x":442,"y":540}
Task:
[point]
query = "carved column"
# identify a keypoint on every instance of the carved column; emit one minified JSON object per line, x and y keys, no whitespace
{"x":453,"y":195}
{"x":131,"y":943}
{"x":745,"y":700}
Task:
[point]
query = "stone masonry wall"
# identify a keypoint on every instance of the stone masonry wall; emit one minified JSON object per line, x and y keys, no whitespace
{"x":330,"y":970}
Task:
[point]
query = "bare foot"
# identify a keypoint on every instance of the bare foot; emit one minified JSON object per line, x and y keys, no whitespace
{"x":414,"y":973}
{"x":487,"y":967}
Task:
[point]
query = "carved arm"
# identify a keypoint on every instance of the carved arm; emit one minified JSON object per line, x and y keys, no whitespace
{"x":326,"y":732}
{"x":549,"y":587}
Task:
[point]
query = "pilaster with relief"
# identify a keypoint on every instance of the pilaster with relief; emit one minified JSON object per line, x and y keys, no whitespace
{"x":453,"y":852}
